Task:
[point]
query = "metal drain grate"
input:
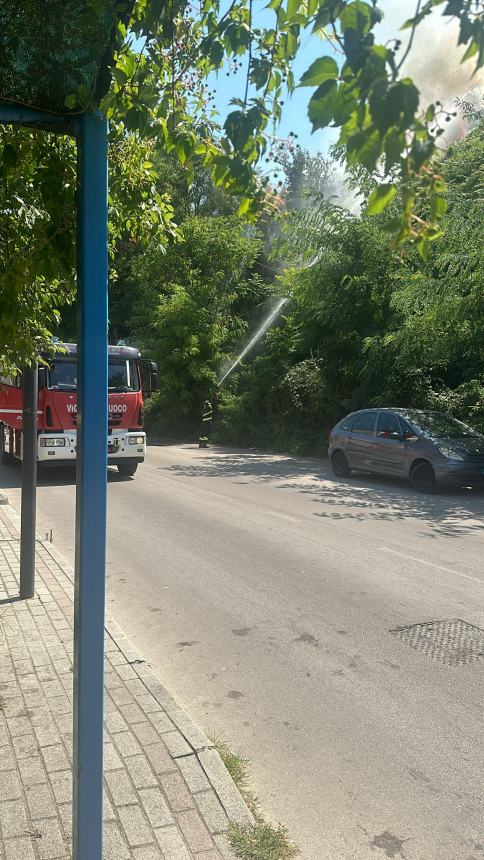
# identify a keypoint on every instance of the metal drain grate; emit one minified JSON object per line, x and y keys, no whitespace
{"x":454,"y":642}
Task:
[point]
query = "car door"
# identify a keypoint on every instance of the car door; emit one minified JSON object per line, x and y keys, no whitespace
{"x":361,"y":441}
{"x":389,"y":458}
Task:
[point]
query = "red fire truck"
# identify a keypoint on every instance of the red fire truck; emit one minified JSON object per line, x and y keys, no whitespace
{"x":57,"y":409}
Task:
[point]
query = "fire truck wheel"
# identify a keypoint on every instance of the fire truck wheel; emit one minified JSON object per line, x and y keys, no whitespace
{"x":127,"y":470}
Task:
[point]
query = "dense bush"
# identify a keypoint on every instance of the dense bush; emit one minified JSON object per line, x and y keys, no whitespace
{"x":369,"y":326}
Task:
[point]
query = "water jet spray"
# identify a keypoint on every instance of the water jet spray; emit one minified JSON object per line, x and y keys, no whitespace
{"x":260,"y":331}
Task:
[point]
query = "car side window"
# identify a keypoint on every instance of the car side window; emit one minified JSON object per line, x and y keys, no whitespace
{"x":364,"y":423}
{"x":346,"y":423}
{"x":387,"y":425}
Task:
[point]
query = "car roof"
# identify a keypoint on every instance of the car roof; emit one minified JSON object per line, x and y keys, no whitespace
{"x":402,"y":410}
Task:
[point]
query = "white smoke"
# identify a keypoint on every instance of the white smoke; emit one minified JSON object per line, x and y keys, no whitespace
{"x":434,"y":61}
{"x":434,"y":64}
{"x":345,"y":196}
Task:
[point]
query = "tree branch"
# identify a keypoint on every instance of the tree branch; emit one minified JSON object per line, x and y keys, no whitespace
{"x":412,"y":34}
{"x":249,"y":61}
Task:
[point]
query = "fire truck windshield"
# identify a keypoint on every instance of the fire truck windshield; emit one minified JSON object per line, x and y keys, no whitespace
{"x":122,"y":375}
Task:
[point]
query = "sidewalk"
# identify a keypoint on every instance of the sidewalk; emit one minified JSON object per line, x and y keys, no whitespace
{"x":167,"y":793}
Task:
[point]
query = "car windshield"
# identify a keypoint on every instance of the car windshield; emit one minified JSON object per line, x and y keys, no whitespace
{"x":440,"y":426}
{"x":122,"y":375}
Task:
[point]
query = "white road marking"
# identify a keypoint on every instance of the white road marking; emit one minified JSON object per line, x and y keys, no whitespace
{"x":431,"y":564}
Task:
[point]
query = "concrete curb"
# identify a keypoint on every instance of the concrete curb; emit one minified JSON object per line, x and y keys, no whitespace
{"x":201,"y":746}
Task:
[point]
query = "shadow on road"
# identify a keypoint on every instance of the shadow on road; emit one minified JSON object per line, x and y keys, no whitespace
{"x":451,"y":512}
{"x":58,"y":476}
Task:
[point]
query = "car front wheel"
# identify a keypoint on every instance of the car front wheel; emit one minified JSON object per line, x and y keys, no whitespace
{"x":340,"y":466}
{"x":422,"y":477}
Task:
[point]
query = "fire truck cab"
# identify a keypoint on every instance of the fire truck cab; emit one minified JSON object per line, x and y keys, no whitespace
{"x":57,"y":409}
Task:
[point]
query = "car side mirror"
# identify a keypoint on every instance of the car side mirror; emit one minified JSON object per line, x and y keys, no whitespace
{"x":395,"y":435}
{"x":410,"y":437}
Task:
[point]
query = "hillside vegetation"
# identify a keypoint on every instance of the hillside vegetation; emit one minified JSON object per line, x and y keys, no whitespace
{"x":364,"y":325}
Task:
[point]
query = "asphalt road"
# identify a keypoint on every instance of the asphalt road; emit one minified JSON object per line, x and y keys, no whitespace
{"x":263,"y":593}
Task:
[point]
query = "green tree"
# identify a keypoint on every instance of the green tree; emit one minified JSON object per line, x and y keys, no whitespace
{"x":435,"y":342}
{"x":367,"y":325}
{"x":159,"y":95}
{"x":37,"y":229}
{"x":192,"y":303}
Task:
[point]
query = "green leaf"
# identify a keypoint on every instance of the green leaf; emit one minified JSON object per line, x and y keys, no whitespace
{"x":216,"y":53}
{"x":134,"y":119}
{"x":244,"y":205}
{"x":323,"y":69}
{"x":380,"y":198}
{"x":293,"y":7}
{"x":356,"y":16}
{"x":394,"y":105}
{"x":471,"y":50}
{"x":183,"y":147}
{"x":119,"y":76}
{"x":322,"y":105}
{"x":364,"y":148}
{"x":394,"y":145}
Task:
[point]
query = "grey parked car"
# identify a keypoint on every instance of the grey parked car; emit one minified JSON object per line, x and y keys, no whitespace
{"x":427,"y":447}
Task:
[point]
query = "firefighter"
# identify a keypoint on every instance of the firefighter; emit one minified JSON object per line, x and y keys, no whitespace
{"x":207,"y":416}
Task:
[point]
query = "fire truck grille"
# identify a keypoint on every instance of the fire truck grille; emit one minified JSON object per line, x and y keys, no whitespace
{"x":113,"y":420}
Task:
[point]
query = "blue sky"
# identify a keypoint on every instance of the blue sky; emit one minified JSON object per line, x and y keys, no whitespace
{"x":434,"y":64}
{"x":294,"y":117}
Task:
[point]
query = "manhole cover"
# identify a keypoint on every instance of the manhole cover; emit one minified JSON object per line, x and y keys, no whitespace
{"x":454,"y":642}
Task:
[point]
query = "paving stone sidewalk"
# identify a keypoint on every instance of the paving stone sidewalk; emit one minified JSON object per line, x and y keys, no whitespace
{"x":167,"y":793}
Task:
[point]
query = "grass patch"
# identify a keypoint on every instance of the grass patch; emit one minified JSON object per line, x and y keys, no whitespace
{"x":258,"y":841}
{"x":236,"y":764}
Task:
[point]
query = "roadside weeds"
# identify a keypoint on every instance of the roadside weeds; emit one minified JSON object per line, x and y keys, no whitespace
{"x":261,"y":840}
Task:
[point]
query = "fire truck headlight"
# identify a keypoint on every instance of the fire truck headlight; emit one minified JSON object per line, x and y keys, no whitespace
{"x":136,"y":440}
{"x":52,"y":442}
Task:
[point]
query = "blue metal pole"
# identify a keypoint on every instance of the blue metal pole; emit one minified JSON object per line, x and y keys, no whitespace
{"x":32,"y":118}
{"x":91,"y":492}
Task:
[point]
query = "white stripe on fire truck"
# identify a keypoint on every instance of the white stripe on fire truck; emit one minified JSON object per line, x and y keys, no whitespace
{"x":17,"y":411}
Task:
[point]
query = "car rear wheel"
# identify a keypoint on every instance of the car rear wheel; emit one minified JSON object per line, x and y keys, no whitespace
{"x":422,"y":477}
{"x":127,"y":470}
{"x":339,"y":464}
